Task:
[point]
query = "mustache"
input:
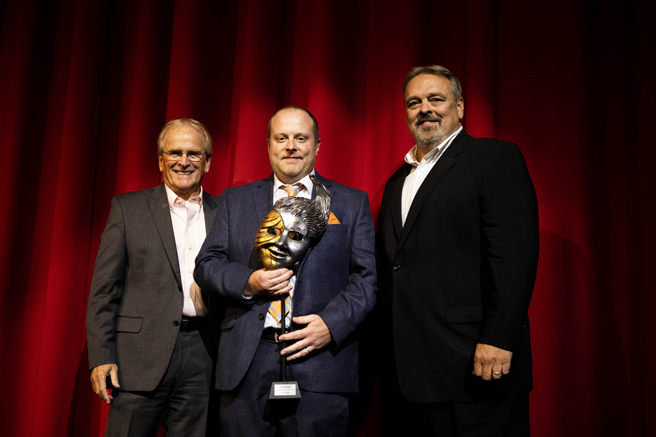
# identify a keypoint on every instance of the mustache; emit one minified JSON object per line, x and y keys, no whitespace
{"x":421,"y":119}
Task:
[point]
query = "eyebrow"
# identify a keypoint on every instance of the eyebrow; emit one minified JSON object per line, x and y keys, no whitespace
{"x":296,"y":229}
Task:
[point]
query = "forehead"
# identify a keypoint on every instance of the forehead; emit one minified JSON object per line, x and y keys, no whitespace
{"x":292,"y":120}
{"x":292,"y":221}
{"x":184,"y":135}
{"x":427,"y":84}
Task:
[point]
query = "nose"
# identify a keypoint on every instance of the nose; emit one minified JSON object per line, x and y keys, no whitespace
{"x":283,"y":240}
{"x":425,"y":107}
{"x":184,"y":160}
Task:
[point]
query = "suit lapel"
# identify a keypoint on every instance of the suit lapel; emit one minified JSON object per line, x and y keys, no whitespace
{"x":397,"y":200}
{"x":159,"y":208}
{"x":441,"y":168}
{"x":263,"y":198}
{"x":209,"y":210}
{"x":326,"y":183}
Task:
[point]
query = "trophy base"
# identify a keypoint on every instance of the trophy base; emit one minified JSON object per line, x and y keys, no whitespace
{"x":284,"y":390}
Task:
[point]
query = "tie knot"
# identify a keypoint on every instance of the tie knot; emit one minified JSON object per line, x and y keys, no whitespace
{"x":292,"y":190}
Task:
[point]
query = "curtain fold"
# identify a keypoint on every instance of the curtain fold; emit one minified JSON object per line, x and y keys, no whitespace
{"x":85,"y":88}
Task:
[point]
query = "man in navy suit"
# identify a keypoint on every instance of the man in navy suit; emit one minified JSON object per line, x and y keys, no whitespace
{"x":332,"y":290}
{"x":458,"y":251}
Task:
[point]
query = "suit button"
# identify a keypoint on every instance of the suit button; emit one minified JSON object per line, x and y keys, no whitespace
{"x":179,"y":287}
{"x":397,"y":267}
{"x":261,"y":317}
{"x":176,"y":323}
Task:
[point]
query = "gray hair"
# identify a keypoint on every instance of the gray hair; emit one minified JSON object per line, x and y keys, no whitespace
{"x":314,"y":213}
{"x":200,"y":127}
{"x":435,"y":70}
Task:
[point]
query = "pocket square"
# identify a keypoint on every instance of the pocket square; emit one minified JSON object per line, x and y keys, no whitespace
{"x":332,"y":220}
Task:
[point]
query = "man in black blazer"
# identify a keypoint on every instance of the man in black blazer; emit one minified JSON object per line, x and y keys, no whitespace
{"x":148,"y":328}
{"x":458,"y":250}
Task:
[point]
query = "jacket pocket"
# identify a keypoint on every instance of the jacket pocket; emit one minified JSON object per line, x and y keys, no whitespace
{"x":129,"y":324}
{"x":464,"y":313}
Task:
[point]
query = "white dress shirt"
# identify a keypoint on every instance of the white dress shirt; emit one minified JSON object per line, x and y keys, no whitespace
{"x":188,"y":219}
{"x":419,"y":172}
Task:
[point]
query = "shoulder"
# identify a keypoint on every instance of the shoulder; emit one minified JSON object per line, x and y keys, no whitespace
{"x":138,"y":196}
{"x":490,"y":146}
{"x":344,"y":191}
{"x":241,"y":190}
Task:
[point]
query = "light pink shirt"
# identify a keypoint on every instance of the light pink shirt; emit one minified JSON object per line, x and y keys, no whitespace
{"x":188,"y":221}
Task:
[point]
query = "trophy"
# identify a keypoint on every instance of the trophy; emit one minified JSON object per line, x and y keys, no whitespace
{"x":282,"y":240}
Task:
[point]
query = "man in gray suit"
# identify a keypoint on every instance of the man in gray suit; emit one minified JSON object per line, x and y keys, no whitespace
{"x":148,"y":327}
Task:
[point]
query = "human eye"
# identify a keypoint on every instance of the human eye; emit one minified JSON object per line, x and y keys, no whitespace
{"x":413,"y":103}
{"x":175,"y":154}
{"x":195,"y":155}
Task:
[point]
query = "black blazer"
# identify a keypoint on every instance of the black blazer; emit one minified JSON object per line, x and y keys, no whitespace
{"x":461,"y":271}
{"x":136,"y":298}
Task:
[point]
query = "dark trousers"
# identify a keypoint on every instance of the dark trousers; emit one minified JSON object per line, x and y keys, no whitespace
{"x":182,"y":396}
{"x":247,"y":411}
{"x":507,"y":417}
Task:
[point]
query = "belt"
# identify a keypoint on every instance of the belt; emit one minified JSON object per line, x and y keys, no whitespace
{"x":188,"y":324}
{"x":271,"y":334}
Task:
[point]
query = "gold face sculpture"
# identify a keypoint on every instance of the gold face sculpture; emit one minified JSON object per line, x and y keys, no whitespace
{"x":281,"y":240}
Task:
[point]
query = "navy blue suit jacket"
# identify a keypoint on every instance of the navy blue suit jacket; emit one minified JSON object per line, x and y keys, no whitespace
{"x":336,"y":280}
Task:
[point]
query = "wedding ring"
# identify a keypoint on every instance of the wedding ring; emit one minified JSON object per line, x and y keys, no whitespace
{"x":496,"y":373}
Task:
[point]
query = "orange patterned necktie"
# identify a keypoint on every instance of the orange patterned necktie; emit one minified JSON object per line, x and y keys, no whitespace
{"x":275,"y":308}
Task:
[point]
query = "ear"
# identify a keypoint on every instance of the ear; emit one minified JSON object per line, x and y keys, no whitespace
{"x":161,"y":163}
{"x":316,"y":150}
{"x":207,"y":165}
{"x":460,"y":106}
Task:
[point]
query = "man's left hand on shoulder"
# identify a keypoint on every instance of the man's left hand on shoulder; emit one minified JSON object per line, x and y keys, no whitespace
{"x":315,"y":335}
{"x":491,"y":362}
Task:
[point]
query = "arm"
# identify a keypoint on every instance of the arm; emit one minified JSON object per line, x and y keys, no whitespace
{"x":104,"y":301}
{"x":509,"y":220}
{"x":219,"y":271}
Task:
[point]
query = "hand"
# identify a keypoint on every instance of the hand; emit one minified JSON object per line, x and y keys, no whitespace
{"x":489,"y":360}
{"x":99,"y":380}
{"x":314,"y":336}
{"x":270,"y":283}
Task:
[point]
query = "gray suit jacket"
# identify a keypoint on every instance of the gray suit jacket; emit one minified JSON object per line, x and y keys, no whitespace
{"x":135,"y":303}
{"x":336,"y":280}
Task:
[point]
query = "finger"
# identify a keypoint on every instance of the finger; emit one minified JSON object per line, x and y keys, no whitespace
{"x":294,"y":335}
{"x":113,"y":373}
{"x":506,"y":367}
{"x":304,"y":352}
{"x":478,"y":369}
{"x":486,"y":374}
{"x":303,"y":320}
{"x":496,"y":373}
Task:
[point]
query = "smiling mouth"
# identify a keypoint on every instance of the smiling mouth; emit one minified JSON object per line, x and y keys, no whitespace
{"x":277,"y":253}
{"x":183,"y":173}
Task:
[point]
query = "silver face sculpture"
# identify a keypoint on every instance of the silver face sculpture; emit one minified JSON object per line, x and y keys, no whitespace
{"x":291,"y":227}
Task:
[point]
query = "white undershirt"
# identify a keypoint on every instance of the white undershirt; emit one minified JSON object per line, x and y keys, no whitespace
{"x":420,"y":171}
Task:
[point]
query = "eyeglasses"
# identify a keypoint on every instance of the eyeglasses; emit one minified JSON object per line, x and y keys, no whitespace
{"x":176,"y":155}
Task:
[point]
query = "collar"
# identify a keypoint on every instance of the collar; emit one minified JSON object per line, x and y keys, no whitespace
{"x":306,"y":181}
{"x":172,"y":197}
{"x":411,"y":156}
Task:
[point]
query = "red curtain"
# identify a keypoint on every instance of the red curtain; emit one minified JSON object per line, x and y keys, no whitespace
{"x":85,"y":87}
